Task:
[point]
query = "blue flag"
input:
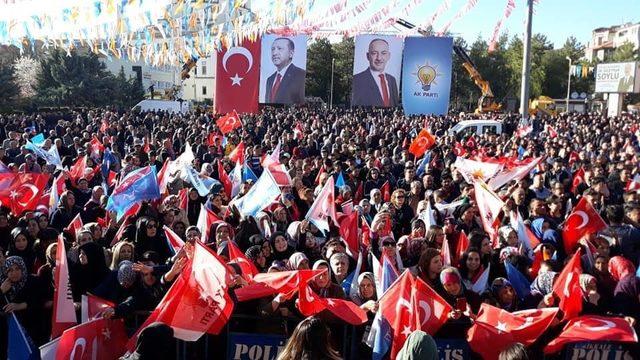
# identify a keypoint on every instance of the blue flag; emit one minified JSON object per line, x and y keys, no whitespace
{"x":248,"y":174}
{"x":262,"y":194}
{"x":422,"y":167}
{"x":20,"y":345}
{"x":38,"y":139}
{"x":520,"y":284}
{"x":137,"y":186}
{"x":340,"y":181}
{"x":107,"y":160}
{"x":51,"y":156}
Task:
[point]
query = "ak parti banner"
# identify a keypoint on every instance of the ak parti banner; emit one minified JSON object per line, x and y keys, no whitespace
{"x":238,"y":77}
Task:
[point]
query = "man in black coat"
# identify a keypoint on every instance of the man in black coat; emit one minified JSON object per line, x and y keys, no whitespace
{"x":286,"y":85}
{"x":374,"y":87}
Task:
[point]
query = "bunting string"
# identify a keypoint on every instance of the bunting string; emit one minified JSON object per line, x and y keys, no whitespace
{"x":511,"y":4}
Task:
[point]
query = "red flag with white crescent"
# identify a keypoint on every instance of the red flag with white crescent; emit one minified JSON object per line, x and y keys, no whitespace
{"x":238,"y":78}
{"x":21,"y":192}
{"x":423,"y":142}
{"x":99,"y":339}
{"x":567,"y":287}
{"x":583,"y":220}
{"x":309,"y":303}
{"x":593,"y":328}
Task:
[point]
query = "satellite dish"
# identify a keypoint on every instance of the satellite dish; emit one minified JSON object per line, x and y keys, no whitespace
{"x":574,"y":95}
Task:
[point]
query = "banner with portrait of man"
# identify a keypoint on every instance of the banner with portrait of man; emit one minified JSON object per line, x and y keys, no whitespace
{"x":377,"y":62}
{"x":426,"y":75}
{"x":283,"y":67}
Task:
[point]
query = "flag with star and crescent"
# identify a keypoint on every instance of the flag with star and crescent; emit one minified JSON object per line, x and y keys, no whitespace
{"x":238,"y":77}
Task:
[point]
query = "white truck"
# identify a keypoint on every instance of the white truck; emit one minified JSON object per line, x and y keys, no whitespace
{"x":164,"y":105}
{"x":467,"y":127}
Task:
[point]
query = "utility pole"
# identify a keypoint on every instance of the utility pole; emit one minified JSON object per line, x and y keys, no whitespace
{"x":333,"y":62}
{"x":526,"y":65}
{"x":568,"y":83}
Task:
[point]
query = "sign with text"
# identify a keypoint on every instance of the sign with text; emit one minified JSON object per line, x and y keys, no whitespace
{"x":452,"y":349}
{"x":601,"y":351}
{"x":241,"y":346}
{"x":426,"y":75}
{"x":618,"y":77}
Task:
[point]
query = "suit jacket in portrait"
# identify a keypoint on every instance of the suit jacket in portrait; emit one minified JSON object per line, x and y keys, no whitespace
{"x":291,"y":90}
{"x":367,"y":93}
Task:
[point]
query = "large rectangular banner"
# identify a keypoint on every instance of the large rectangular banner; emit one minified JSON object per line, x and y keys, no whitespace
{"x":237,"y":78}
{"x":426,"y":75}
{"x":618,"y":77}
{"x":377,"y":62}
{"x":283,"y":67}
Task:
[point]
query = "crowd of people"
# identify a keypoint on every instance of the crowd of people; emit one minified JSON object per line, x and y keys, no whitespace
{"x":368,"y":148}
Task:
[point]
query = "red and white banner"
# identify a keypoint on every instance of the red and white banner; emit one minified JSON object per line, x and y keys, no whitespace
{"x":99,"y":339}
{"x":462,"y":12}
{"x":511,"y":4}
{"x":238,"y":78}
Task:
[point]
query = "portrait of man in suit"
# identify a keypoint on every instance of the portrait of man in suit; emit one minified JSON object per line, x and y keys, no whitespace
{"x":625,"y":84}
{"x":286,"y":84}
{"x":373,"y":86}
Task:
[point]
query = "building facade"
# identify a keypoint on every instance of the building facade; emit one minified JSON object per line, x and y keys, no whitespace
{"x":605,"y":40}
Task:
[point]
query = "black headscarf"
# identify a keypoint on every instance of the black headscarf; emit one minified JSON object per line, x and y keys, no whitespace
{"x":154,"y":342}
{"x":87,"y":277}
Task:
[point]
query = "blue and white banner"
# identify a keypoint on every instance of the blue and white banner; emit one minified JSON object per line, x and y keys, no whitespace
{"x":426,"y":75}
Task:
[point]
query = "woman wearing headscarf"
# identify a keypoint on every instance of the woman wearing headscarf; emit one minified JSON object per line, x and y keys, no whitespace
{"x":322,"y":284}
{"x":280,"y":246}
{"x":367,"y":300}
{"x":193,"y":206}
{"x":298,"y":261}
{"x":22,"y":295}
{"x":219,"y":232}
{"x":118,"y":285}
{"x":22,"y":246}
{"x":375,"y":202}
{"x":418,"y":346}
{"x":503,"y":295}
{"x":542,"y":290}
{"x":591,"y":301}
{"x":626,"y":296}
{"x":148,"y":238}
{"x":373,"y":182}
{"x":464,"y":302}
{"x":88,"y":271}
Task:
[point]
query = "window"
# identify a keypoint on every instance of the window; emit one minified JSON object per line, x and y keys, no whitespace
{"x":204,"y":70}
{"x":204,"y":90}
{"x":622,"y":33}
{"x":488,"y":129}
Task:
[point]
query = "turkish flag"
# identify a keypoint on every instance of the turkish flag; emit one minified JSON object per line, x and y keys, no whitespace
{"x":459,"y":150}
{"x":91,"y":307}
{"x":183,"y":195}
{"x":578,"y":178}
{"x":431,"y":310}
{"x":567,"y":287}
{"x":471,"y":142}
{"x":280,"y":175}
{"x":99,"y":339}
{"x":489,"y":205}
{"x":592,"y":328}
{"x":238,"y":78}
{"x":359,"y":195}
{"x":229,"y":122}
{"x":461,"y":246}
{"x":224,"y":179}
{"x":75,"y":225}
{"x":266,"y":284}
{"x":96,"y":147}
{"x":198,"y":302}
{"x":175,"y":242}
{"x":385,"y":189}
{"x":423,"y":142}
{"x":21,"y":192}
{"x":206,"y":218}
{"x":349,"y":232}
{"x":309,"y":303}
{"x":551,"y":131}
{"x":633,"y":185}
{"x":237,"y":154}
{"x":495,"y":329}
{"x":236,"y":256}
{"x":583,"y":220}
{"x":64,"y":313}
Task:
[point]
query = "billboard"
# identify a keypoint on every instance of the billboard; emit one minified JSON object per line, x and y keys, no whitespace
{"x":426,"y":75}
{"x":283,"y":64}
{"x":377,"y":62}
{"x":618,"y":77}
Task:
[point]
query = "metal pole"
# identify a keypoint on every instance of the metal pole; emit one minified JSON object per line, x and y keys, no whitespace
{"x":526,"y":64}
{"x":333,"y":62}
{"x":568,"y":83}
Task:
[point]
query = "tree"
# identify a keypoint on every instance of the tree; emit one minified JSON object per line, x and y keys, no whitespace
{"x":343,"y":70}
{"x":8,"y":88}
{"x":318,"y":81}
{"x":26,"y":71}
{"x":623,"y":53}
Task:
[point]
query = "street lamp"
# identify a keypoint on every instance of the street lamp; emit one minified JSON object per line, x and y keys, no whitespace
{"x":568,"y":83}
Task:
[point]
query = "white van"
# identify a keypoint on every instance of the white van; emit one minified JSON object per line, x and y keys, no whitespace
{"x":164,"y":105}
{"x":467,"y":127}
